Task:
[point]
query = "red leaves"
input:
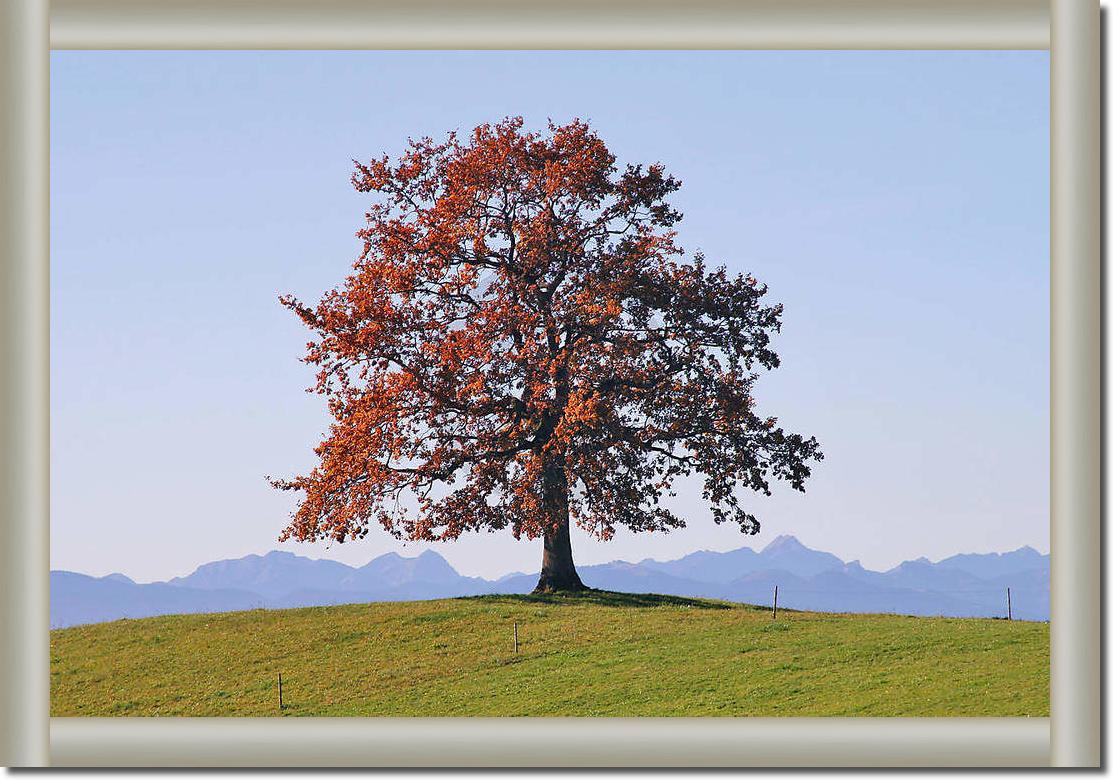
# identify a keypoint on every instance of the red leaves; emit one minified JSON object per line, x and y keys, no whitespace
{"x":520,"y":310}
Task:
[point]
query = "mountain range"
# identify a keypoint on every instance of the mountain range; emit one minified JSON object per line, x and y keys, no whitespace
{"x":966,"y":585}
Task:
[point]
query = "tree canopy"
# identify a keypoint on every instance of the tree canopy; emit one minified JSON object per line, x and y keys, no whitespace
{"x":522,"y":344}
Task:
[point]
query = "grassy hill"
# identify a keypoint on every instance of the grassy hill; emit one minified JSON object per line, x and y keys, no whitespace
{"x":598,"y":654}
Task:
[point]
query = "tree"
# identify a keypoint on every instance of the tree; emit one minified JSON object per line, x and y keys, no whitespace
{"x":522,"y":344}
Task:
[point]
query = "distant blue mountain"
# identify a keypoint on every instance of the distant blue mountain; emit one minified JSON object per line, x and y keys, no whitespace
{"x":969,"y":585}
{"x":77,"y":598}
{"x":271,"y":575}
{"x":784,"y":552}
{"x":394,"y":571}
{"x":284,"y":579}
{"x":992,"y":565}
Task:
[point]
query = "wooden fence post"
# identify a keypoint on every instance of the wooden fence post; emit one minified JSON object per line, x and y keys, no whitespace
{"x":774,"y":602}
{"x":1009,"y":600}
{"x":280,"y":690}
{"x":515,"y":639}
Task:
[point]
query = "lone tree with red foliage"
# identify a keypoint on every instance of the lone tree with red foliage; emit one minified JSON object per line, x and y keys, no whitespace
{"x":522,"y":344}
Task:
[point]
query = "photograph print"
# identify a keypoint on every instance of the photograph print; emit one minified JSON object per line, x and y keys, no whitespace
{"x":632,"y":383}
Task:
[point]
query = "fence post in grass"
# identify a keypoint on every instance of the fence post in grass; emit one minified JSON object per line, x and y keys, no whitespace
{"x":280,"y":690}
{"x":515,"y":639}
{"x":1009,"y":601}
{"x":774,"y":602}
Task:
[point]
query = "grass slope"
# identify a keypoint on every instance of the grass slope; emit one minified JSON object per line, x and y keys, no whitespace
{"x":596,"y":654}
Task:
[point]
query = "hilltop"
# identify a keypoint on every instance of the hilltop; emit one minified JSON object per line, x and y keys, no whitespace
{"x":969,"y":585}
{"x":605,"y":654}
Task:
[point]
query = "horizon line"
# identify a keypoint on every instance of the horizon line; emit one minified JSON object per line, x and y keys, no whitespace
{"x":511,"y":573}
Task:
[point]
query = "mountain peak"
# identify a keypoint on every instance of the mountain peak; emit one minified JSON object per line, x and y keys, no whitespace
{"x":911,"y":564}
{"x":783,"y":542}
{"x":390,"y":556}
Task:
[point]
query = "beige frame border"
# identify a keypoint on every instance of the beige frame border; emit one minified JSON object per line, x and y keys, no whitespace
{"x":1071,"y":737}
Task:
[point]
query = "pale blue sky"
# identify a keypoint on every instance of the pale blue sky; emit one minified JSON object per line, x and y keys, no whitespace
{"x":895,"y":202}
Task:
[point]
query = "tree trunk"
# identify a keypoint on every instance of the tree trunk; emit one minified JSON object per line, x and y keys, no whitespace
{"x":558,"y":572}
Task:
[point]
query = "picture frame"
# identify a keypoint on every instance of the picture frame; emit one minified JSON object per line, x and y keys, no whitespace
{"x":29,"y":29}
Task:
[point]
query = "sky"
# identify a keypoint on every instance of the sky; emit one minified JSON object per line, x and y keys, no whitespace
{"x":896,"y":203}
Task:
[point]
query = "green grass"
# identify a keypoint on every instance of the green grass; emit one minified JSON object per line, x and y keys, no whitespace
{"x":595,"y":654}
